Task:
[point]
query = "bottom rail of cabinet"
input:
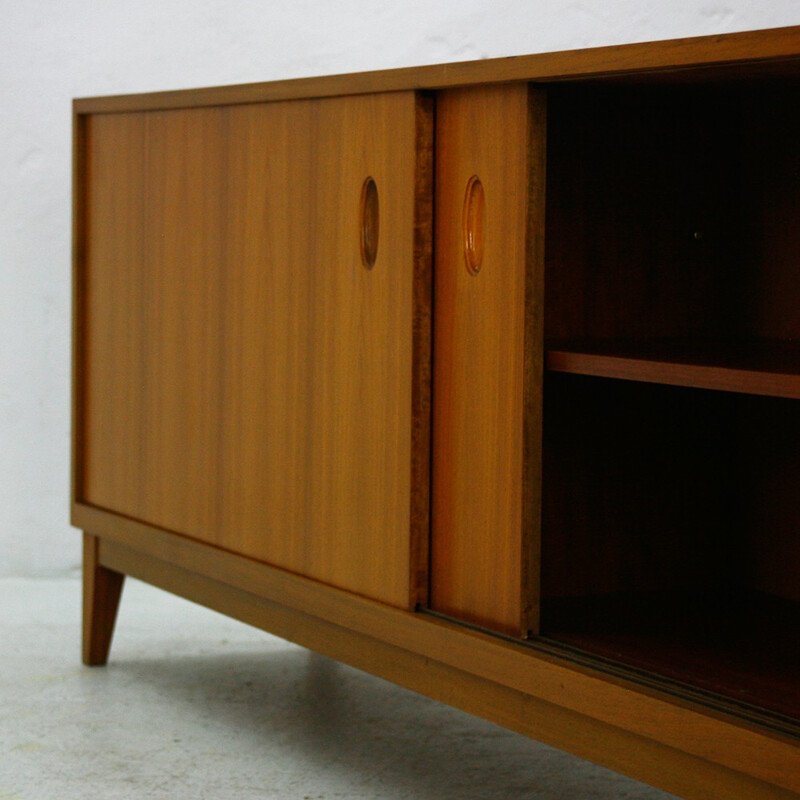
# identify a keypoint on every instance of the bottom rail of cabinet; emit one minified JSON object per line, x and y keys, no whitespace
{"x":671,"y":743}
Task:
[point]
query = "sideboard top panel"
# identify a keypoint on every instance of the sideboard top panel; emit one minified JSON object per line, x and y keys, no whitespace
{"x":773,"y":52}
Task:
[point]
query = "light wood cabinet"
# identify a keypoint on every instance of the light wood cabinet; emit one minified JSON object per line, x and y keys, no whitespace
{"x":481,"y":377}
{"x":487,"y":335}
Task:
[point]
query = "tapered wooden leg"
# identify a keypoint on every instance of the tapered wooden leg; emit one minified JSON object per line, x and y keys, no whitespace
{"x":102,"y":589}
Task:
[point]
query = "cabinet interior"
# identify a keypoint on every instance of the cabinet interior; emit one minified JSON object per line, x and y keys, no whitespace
{"x":671,"y":469}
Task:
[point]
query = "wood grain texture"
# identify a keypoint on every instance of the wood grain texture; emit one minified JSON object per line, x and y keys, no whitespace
{"x":717,"y":738}
{"x":102,"y":589}
{"x":771,"y":52}
{"x":249,"y":382}
{"x":477,"y":563}
{"x":153,"y":323}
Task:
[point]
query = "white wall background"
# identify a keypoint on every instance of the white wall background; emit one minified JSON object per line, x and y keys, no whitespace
{"x":53,"y":50}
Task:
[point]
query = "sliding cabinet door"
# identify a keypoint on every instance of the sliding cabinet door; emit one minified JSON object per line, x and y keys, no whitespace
{"x":255,"y":323}
{"x":487,"y":356}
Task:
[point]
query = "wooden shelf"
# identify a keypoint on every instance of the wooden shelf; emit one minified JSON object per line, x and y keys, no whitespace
{"x":760,"y":368}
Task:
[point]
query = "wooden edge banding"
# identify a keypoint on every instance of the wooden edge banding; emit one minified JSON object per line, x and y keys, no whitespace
{"x":673,"y":55}
{"x":421,"y":378}
{"x":533,"y":368}
{"x":645,"y":713}
{"x":675,"y":373}
{"x":79,"y":178}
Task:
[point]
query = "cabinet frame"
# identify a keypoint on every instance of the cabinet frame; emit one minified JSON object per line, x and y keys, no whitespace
{"x":682,"y":743}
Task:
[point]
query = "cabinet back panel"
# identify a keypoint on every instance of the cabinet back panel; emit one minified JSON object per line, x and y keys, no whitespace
{"x":657,"y":489}
{"x":768,"y":442}
{"x":639,"y":489}
{"x":250,"y":382}
{"x":673,"y":212}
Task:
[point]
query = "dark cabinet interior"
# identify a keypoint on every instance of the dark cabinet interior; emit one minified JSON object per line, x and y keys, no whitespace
{"x":671,"y":438}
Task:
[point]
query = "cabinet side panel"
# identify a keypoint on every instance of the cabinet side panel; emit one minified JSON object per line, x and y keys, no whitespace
{"x":77,"y":419}
{"x":478,"y":571}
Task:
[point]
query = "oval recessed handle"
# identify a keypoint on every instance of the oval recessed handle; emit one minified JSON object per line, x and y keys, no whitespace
{"x":370,"y":223}
{"x":474,"y":212}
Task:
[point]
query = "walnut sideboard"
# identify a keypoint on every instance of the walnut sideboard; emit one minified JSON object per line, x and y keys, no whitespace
{"x":483,"y":378}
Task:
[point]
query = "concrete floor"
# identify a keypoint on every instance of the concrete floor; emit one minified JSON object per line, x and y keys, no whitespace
{"x":194,"y":705}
